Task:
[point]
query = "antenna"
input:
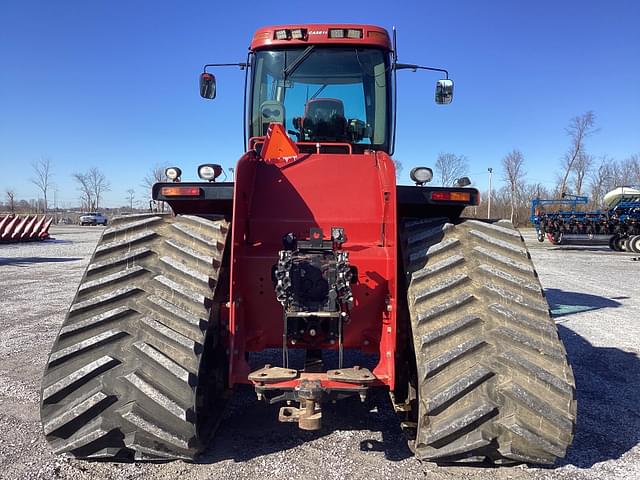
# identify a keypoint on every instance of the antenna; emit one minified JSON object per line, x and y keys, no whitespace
{"x":395,"y":44}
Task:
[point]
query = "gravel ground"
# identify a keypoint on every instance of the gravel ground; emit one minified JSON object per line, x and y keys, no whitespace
{"x":592,"y":291}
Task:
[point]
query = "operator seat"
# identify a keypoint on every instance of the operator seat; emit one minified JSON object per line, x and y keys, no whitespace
{"x":324,"y":120}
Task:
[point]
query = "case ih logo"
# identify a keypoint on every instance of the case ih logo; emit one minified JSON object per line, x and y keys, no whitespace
{"x":318,"y":32}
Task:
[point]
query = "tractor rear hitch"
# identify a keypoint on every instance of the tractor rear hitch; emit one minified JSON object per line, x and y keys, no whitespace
{"x":309,"y":390}
{"x":309,"y":414}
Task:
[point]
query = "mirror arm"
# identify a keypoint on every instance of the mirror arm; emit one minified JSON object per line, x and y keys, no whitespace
{"x":242,"y":65}
{"x":409,"y":66}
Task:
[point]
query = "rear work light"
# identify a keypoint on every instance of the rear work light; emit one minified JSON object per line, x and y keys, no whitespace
{"x":342,"y":33}
{"x":299,"y":33}
{"x":294,"y":34}
{"x":451,"y":196}
{"x":180,"y":191}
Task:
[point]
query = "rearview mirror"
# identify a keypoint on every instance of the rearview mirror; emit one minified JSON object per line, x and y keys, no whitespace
{"x":463,"y":182}
{"x":207,"y":86}
{"x":444,"y":91}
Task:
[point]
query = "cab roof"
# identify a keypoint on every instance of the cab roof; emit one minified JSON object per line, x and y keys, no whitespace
{"x":320,"y":34}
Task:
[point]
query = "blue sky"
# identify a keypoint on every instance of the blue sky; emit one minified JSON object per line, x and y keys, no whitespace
{"x":113,"y":84}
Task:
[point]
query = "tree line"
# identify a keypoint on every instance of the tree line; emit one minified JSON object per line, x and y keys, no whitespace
{"x":578,"y":172}
{"x":92,"y":186}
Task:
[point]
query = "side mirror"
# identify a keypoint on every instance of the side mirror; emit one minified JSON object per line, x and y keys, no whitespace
{"x":444,"y":91}
{"x":207,"y":86}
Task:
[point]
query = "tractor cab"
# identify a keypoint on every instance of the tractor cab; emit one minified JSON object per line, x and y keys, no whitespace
{"x":323,"y":94}
{"x":325,"y":84}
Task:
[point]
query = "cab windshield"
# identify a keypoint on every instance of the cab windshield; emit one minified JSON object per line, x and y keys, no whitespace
{"x":323,"y":94}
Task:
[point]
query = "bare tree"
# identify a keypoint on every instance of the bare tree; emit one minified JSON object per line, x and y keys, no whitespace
{"x":634,"y":167}
{"x":514,"y":173}
{"x":11,"y":199}
{"x":86,"y":192}
{"x":42,"y":178}
{"x":449,"y":167}
{"x":398,"y":165}
{"x":598,"y":181}
{"x":130,"y":196}
{"x":155,"y":175}
{"x":92,"y":186}
{"x":579,"y":129}
{"x":581,"y":168}
{"x":99,"y":184}
{"x":629,"y":171}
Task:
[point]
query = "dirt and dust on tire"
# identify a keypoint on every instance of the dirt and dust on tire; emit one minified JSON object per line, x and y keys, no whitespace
{"x":123,"y":380}
{"x":492,"y":381}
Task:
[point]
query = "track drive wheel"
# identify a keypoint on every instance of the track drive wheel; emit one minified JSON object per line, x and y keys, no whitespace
{"x":138,"y":361}
{"x":493,"y":383}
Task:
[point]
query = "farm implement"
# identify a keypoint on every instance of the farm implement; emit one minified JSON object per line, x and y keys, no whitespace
{"x":619,"y":223}
{"x":24,"y":228}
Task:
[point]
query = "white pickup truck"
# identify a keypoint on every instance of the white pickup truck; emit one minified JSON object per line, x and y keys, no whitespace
{"x":93,"y":218}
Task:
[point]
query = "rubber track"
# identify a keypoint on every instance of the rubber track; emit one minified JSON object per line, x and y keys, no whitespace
{"x":492,"y":375}
{"x":122,"y":378}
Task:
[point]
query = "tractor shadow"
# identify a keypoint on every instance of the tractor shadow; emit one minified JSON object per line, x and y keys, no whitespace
{"x":607,"y":385}
{"x":25,"y":261}
{"x":251,"y":429}
{"x":607,"y":388}
{"x":583,"y":248}
{"x":608,"y":421}
{"x":564,"y":303}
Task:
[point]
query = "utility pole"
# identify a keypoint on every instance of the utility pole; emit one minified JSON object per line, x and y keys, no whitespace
{"x":55,"y":203}
{"x":233,"y":173}
{"x":489,"y":200}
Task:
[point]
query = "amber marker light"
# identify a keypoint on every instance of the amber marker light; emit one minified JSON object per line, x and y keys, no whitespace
{"x":180,"y":191}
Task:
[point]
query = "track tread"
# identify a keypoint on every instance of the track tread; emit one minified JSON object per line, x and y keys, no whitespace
{"x":125,"y":242}
{"x":112,"y":278}
{"x":94,"y":321}
{"x":123,"y":374}
{"x":493,"y":379}
{"x":456,"y":426}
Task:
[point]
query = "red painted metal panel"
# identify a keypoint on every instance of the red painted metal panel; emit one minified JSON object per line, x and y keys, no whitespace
{"x":4,"y":221}
{"x":356,"y":192}
{"x":29,"y":227}
{"x":37,"y":227}
{"x":8,"y":228}
{"x":44,"y":231}
{"x":19,"y":227}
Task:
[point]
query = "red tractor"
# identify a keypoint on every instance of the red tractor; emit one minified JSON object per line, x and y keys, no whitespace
{"x":317,"y":261}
